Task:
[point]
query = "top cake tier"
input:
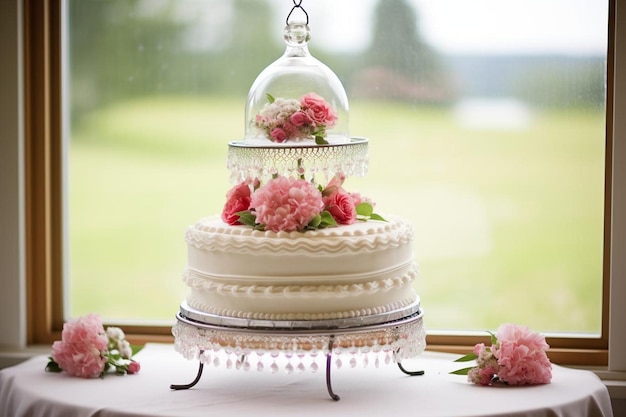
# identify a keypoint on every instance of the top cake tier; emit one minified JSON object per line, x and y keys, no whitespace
{"x":296,"y":100}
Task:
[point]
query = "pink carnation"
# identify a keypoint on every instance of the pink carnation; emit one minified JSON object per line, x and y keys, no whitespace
{"x":286,"y":204}
{"x":237,"y":199}
{"x":81,"y":352}
{"x":320,"y":112}
{"x":521,"y":355}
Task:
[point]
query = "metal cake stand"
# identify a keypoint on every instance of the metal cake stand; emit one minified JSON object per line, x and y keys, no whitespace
{"x":399,"y":333}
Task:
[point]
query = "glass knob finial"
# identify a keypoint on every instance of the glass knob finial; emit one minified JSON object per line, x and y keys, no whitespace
{"x":297,"y":34}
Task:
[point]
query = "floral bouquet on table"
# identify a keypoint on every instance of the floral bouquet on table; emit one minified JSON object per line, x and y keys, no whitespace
{"x":294,"y":204}
{"x":517,"y":356}
{"x":88,"y":351}
{"x":284,"y":119}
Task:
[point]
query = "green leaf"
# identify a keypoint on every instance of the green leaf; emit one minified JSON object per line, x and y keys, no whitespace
{"x":328,"y":219}
{"x":315,"y":222}
{"x":135,"y":349}
{"x":494,"y":339}
{"x":375,"y":216}
{"x":52,"y":366}
{"x":270,"y":98}
{"x":247,"y":218}
{"x":319,"y":140}
{"x":463,"y":371}
{"x":466,"y":358}
{"x":364,"y":209}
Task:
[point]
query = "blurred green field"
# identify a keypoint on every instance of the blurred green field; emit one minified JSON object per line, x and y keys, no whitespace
{"x":508,"y":222}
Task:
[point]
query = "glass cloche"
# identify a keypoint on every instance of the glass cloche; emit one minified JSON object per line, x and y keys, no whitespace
{"x":296,"y":100}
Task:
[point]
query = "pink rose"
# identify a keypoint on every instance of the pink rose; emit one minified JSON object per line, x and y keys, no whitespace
{"x":318,"y":110}
{"x":81,"y":350}
{"x":133,"y":367}
{"x":286,"y":204}
{"x":300,"y":119}
{"x":278,"y":135}
{"x":341,"y":206}
{"x":237,"y":199}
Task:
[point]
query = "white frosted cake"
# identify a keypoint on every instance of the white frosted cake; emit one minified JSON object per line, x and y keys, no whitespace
{"x":355,"y":270}
{"x":292,"y":247}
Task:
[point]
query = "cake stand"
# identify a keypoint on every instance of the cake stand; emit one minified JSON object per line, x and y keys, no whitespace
{"x":398,"y":334}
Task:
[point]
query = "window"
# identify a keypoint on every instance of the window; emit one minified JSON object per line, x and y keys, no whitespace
{"x":463,"y":207}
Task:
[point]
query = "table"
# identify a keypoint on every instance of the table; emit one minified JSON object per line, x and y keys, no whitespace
{"x":26,"y":390}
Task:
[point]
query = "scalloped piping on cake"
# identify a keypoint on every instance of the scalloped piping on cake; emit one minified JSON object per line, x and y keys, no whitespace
{"x":301,"y":316}
{"x":211,"y":234}
{"x":403,"y":276}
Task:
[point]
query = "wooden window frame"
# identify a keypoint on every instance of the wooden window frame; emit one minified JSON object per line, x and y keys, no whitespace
{"x":43,"y":150}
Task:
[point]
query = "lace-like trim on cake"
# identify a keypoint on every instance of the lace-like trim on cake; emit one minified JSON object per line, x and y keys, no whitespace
{"x":263,"y":162}
{"x":203,"y":282}
{"x":274,"y":352}
{"x":382,"y":235}
{"x":199,"y":305}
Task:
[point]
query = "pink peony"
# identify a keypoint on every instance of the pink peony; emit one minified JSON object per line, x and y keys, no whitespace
{"x":81,"y":352}
{"x":237,"y":199}
{"x":341,"y":206}
{"x":286,"y":204}
{"x":318,"y":110}
{"x":521,"y":355}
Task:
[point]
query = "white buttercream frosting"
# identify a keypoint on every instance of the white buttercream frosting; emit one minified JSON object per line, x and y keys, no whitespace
{"x":347,"y":271}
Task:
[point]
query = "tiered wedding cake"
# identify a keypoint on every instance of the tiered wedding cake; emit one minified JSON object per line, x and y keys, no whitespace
{"x":293,"y":250}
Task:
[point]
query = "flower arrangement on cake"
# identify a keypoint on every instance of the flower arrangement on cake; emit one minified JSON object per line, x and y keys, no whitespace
{"x":294,"y":204}
{"x":517,"y":356}
{"x":86,"y":350}
{"x":284,"y":119}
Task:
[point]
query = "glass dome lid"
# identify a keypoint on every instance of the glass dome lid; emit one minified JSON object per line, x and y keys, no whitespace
{"x":296,"y":100}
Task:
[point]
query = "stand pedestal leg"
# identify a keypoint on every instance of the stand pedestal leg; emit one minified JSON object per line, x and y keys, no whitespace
{"x":409,"y":373}
{"x":328,"y":366}
{"x":177,"y":387}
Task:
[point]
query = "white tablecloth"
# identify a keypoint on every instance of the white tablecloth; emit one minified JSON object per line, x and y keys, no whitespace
{"x":26,"y":390}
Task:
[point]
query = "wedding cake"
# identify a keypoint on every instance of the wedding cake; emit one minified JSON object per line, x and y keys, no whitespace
{"x":293,"y":250}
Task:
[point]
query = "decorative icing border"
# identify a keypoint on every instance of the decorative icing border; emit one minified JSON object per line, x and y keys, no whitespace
{"x":202,"y":282}
{"x":301,"y":316}
{"x":379,"y":236}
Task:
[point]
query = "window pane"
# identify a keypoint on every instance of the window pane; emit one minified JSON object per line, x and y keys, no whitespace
{"x":486,"y":122}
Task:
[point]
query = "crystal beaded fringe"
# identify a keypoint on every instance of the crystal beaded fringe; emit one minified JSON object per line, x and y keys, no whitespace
{"x":264,"y":162}
{"x":297,"y":353}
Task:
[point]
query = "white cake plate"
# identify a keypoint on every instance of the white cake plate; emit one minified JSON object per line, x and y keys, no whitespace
{"x":399,"y":334}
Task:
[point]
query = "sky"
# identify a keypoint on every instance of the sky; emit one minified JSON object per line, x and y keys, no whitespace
{"x":576,"y":27}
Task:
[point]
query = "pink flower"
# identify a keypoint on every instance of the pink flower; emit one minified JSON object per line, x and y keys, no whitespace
{"x":286,"y":204}
{"x":521,"y":355}
{"x":133,"y":367}
{"x":318,"y":110}
{"x":237,"y":199}
{"x":334,"y":185}
{"x":483,"y":375}
{"x":278,"y":135}
{"x":358,"y":199}
{"x":81,"y":352}
{"x":341,"y":206}
{"x":300,"y":119}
